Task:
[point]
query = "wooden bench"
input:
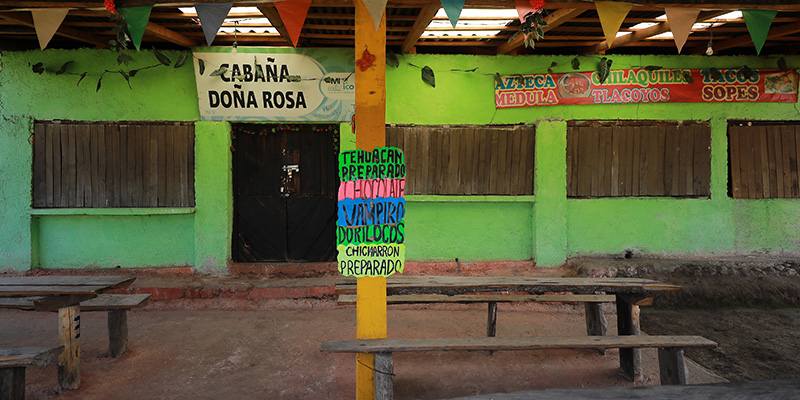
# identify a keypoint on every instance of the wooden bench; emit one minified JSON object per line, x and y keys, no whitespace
{"x":670,"y":351}
{"x":117,"y":306}
{"x":13,"y":361}
{"x":595,"y":320}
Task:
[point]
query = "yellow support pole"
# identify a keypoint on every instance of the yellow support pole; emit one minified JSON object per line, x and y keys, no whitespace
{"x":370,"y":129}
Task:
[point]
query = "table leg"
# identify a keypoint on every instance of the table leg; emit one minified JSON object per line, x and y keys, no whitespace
{"x":491,"y":320}
{"x":69,"y":333}
{"x":12,"y":383}
{"x":630,"y":360}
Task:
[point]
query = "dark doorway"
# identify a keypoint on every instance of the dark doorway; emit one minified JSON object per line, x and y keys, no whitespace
{"x":285,"y":192}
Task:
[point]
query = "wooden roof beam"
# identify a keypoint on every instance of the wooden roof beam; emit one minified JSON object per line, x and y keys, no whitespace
{"x":642,"y":34}
{"x":25,"y":18}
{"x":170,"y":35}
{"x":274,"y":18}
{"x":553,"y":20}
{"x":745,"y":39}
{"x":424,"y":19}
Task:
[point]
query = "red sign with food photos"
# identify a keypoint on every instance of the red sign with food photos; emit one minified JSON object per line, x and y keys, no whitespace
{"x":626,"y":86}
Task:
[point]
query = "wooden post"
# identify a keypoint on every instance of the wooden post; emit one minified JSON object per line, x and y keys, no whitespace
{"x":630,"y":360}
{"x":69,"y":333}
{"x":596,"y":323}
{"x":370,"y":130}
{"x":117,"y":332}
{"x":491,"y":320}
{"x":384,"y":371}
{"x":672,"y":366}
{"x":12,"y":383}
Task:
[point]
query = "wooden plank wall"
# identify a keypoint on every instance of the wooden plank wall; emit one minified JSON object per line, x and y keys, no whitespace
{"x":764,"y":161}
{"x":111,"y":165}
{"x":639,"y":160}
{"x":466,"y":160}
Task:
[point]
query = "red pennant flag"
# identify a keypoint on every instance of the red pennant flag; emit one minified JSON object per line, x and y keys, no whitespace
{"x":293,"y":13}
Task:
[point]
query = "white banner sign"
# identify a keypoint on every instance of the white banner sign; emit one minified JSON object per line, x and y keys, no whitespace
{"x":268,"y":86}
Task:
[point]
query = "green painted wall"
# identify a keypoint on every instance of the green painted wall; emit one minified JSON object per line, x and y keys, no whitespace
{"x":563,"y":228}
{"x":98,"y":242}
{"x":76,"y":241}
{"x":468,"y":230}
{"x":548,"y":227}
{"x":16,"y":156}
{"x":213,"y":224}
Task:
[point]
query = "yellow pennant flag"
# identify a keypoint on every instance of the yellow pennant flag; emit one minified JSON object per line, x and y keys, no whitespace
{"x":680,"y":21}
{"x":46,"y":23}
{"x":611,"y":14}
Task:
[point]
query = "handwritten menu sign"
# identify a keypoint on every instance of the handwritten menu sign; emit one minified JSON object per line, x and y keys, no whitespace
{"x":370,"y":231}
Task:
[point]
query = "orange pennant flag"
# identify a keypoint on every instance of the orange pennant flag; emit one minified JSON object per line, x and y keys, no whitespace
{"x":46,"y":23}
{"x":611,"y":14}
{"x":293,"y":13}
{"x":681,"y":20}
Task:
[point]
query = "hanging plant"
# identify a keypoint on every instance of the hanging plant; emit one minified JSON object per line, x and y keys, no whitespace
{"x":532,"y":29}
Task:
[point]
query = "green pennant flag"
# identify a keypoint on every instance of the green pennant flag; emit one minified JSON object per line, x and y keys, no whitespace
{"x":136,"y":17}
{"x":758,"y":23}
{"x":453,"y":10}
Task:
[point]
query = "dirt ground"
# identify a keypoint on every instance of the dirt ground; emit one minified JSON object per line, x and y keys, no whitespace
{"x":749,"y":305}
{"x":273,"y":353}
{"x":755,"y":344}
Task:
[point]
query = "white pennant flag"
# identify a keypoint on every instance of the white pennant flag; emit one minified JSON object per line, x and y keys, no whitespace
{"x":46,"y":23}
{"x":375,"y":9}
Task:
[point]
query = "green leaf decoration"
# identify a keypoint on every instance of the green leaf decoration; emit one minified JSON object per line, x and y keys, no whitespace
{"x":782,"y":64}
{"x":327,"y":79}
{"x":202,"y":66}
{"x":260,"y":72}
{"x":112,"y":42}
{"x":653,"y":67}
{"x":604,"y":69}
{"x":83,"y":75}
{"x":576,"y":64}
{"x":127,"y":78}
{"x":687,"y":76}
{"x":552,"y":65}
{"x":747,"y":72}
{"x":428,"y":76}
{"x":133,"y":72}
{"x":161,"y":57}
{"x":38,"y":68}
{"x":124,"y":58}
{"x":182,"y":59}
{"x":295,"y":78}
{"x":715,"y":74}
{"x":391,"y":59}
{"x":63,"y":68}
{"x":99,"y":82}
{"x":218,"y":72}
{"x":497,"y":81}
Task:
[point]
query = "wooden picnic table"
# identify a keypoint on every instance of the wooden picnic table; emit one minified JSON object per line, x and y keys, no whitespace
{"x":63,"y":293}
{"x":630,"y":293}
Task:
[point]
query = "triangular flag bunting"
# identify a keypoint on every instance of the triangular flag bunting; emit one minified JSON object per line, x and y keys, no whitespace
{"x":136,"y":17}
{"x":46,"y":23}
{"x":681,"y":20}
{"x":758,"y":23}
{"x":611,"y":14}
{"x":211,"y":16}
{"x":375,"y":8}
{"x":453,"y":10}
{"x":293,"y":13}
{"x":523,"y":8}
